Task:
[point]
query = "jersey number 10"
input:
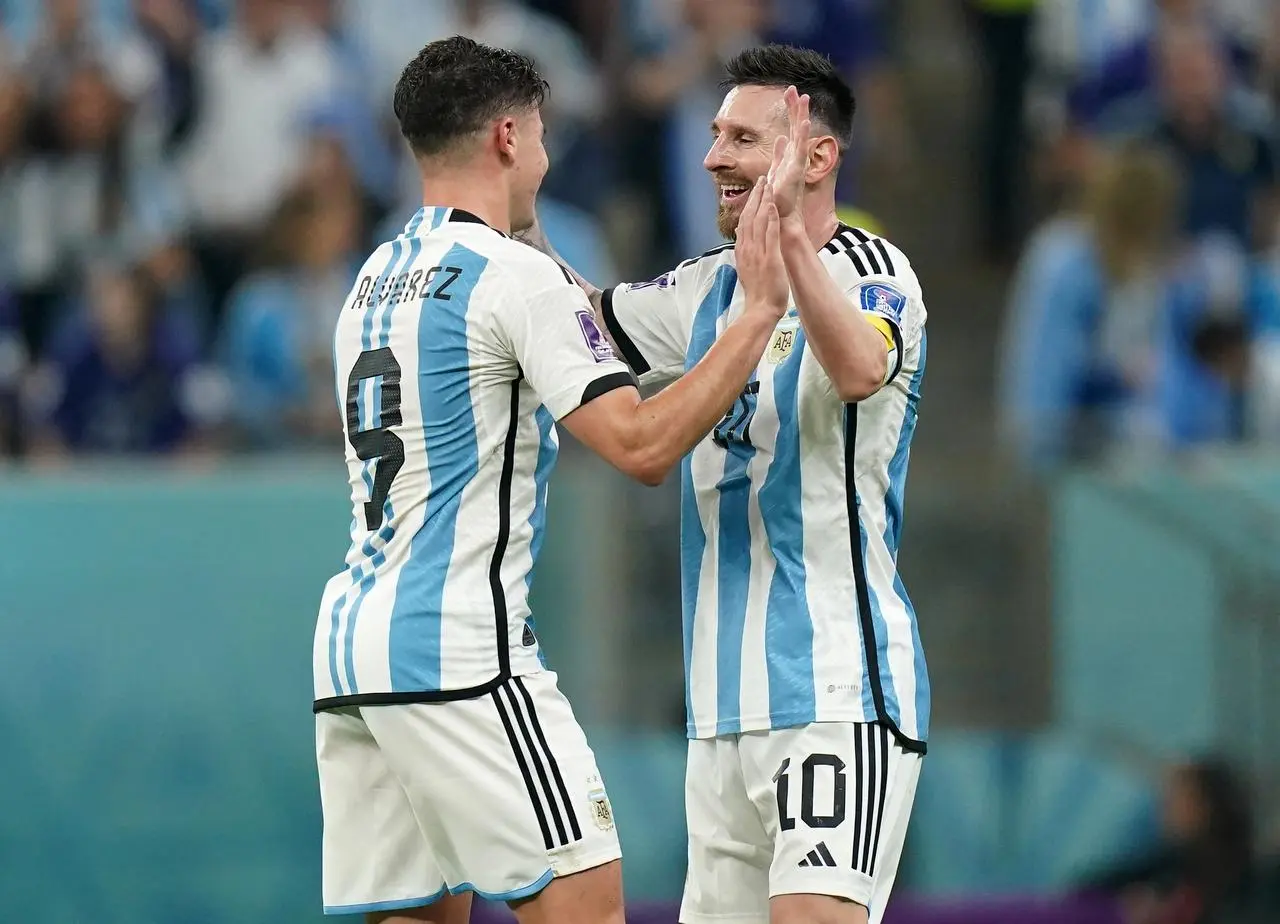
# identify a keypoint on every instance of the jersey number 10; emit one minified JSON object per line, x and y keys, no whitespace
{"x":378,"y":442}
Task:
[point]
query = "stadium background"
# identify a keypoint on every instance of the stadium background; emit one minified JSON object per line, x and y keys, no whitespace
{"x":1087,"y":190}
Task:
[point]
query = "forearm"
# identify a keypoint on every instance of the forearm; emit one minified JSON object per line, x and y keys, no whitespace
{"x":671,"y":423}
{"x":851,"y":350}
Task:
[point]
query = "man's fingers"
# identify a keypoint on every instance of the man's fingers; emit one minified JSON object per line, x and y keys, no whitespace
{"x":747,"y":218}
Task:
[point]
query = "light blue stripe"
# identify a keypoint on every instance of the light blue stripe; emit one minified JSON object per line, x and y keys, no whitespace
{"x":384,"y":333}
{"x":532,"y":888}
{"x":416,"y":222}
{"x":693,"y":538}
{"x":893,"y":505}
{"x":788,"y":628}
{"x":449,"y":435}
{"x":547,"y":452}
{"x":395,"y":904}
{"x":355,"y":572}
{"x":733,"y":579}
{"x":375,"y":556}
{"x":437,"y":217}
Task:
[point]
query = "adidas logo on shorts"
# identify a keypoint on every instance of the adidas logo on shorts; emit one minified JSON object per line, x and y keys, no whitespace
{"x":819,"y":856}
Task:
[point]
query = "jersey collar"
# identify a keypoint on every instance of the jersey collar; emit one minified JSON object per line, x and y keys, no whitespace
{"x":430,"y":217}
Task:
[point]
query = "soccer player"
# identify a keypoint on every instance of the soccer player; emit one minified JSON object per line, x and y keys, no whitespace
{"x":807,"y":696}
{"x":449,"y":762}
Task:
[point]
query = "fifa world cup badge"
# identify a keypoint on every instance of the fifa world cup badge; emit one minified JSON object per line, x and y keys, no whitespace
{"x":783,"y":342}
{"x":601,"y":811}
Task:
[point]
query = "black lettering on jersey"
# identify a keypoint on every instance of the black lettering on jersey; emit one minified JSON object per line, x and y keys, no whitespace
{"x":442,"y":291}
{"x":362,"y":293}
{"x":397,"y":289}
{"x":414,"y":282}
{"x":387,"y":285}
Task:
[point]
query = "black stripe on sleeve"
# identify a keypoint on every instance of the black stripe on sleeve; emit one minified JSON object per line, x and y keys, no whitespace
{"x":873,"y":760}
{"x":634,"y":358}
{"x":861,"y":267}
{"x":859,"y":788}
{"x":606,"y":384}
{"x":884,"y":256}
{"x":861,"y":235}
{"x":524,"y":771}
{"x":568,"y":276}
{"x":899,"y":351}
{"x":551,"y":760}
{"x":882,"y":735}
{"x":870,"y":254}
{"x":557,"y":816}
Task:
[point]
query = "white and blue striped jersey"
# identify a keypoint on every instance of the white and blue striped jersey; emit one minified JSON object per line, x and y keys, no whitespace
{"x":792,"y":508}
{"x":455,"y":353}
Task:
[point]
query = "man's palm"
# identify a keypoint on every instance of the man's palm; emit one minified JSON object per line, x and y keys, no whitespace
{"x":791,"y":155}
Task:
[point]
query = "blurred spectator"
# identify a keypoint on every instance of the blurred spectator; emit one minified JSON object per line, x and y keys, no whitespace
{"x":278,"y":345}
{"x":1080,"y":351}
{"x":70,"y":37}
{"x":259,"y":80}
{"x":1202,"y":870}
{"x":72,"y":196}
{"x":13,"y":361}
{"x":1004,"y":32}
{"x":1224,"y":312}
{"x":170,"y":30}
{"x":121,"y":377}
{"x":680,"y":53}
{"x":13,"y":118}
{"x":852,"y":33}
{"x":393,"y":31}
{"x":1222,"y":141}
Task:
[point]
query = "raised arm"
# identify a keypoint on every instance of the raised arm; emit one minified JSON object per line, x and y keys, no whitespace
{"x":646,"y":439}
{"x":852,"y":346}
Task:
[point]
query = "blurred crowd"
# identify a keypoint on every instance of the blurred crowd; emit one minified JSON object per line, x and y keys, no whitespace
{"x":1137,"y":139}
{"x":1204,"y":866}
{"x":186,"y":186}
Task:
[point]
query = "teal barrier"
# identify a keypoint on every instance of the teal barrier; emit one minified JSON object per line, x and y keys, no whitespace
{"x":1167,"y":609}
{"x":156,"y":755}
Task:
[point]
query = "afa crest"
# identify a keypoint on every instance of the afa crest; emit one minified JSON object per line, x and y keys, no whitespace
{"x":783,"y":342}
{"x":601,"y":810}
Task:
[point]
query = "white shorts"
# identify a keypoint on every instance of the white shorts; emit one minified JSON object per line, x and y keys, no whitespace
{"x":494,"y":795}
{"x":821,"y":809}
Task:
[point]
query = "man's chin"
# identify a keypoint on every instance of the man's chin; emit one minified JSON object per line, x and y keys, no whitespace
{"x":727,"y":222}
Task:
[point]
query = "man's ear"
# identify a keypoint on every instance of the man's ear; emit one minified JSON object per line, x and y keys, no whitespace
{"x":506,"y":138}
{"x":824,"y":159}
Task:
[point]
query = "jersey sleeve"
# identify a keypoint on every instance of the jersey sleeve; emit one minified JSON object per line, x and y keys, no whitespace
{"x":879,"y":281}
{"x":646,"y":321}
{"x":561,"y":351}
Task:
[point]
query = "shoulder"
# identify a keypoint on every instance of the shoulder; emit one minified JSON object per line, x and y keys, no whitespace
{"x":532,"y":269}
{"x":872,"y":269}
{"x":701,"y":269}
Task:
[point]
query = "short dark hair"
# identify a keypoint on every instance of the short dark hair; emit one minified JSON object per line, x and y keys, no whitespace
{"x":455,"y":85}
{"x":831,"y":101}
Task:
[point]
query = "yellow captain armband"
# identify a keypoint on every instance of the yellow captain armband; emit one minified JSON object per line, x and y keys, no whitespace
{"x":885,"y":328}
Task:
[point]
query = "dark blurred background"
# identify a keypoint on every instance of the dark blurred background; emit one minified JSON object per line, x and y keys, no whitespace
{"x":1088,"y":191}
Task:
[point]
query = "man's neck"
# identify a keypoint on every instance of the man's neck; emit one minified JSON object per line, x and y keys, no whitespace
{"x":470,"y":192}
{"x":820,"y":221}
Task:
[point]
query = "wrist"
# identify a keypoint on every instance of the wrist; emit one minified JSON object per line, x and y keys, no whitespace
{"x":792,"y":229}
{"x":763,"y":313}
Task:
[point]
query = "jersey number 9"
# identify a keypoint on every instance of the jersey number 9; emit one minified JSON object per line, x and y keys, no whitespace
{"x":376,"y":442}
